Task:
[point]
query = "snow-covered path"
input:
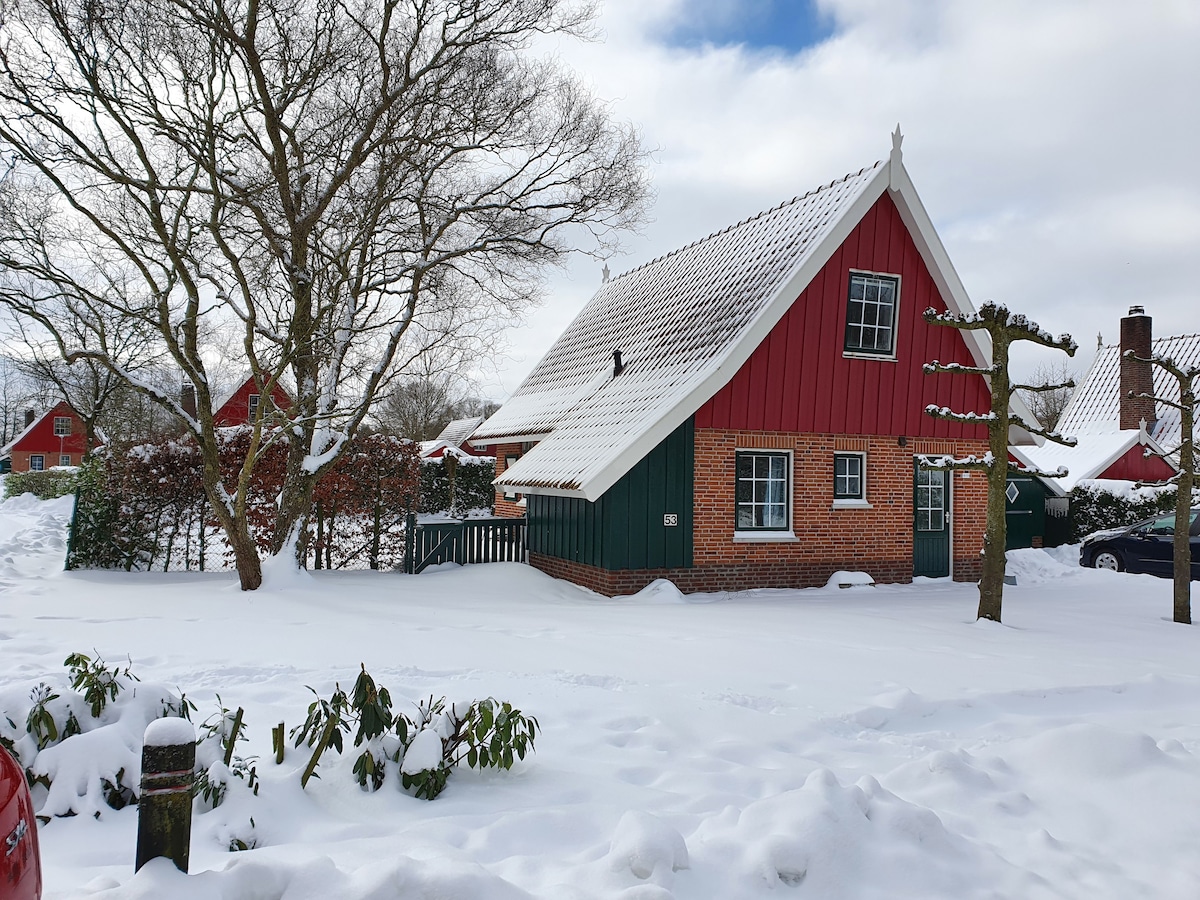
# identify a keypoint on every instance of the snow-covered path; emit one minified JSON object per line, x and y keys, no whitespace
{"x":859,"y":744}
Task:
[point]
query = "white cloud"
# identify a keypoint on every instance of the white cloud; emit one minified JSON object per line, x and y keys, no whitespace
{"x":1053,"y":144}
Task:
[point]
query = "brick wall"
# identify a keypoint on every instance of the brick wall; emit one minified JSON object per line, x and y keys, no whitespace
{"x":508,"y":509}
{"x":877,"y":540}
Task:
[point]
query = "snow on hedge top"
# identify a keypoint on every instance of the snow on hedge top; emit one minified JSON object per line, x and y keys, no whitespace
{"x":684,"y":323}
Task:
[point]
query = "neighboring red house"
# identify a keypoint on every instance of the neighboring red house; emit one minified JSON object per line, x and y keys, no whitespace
{"x":455,"y":437}
{"x":56,"y":438}
{"x":242,"y":404}
{"x":1113,"y":430}
{"x":748,"y":411}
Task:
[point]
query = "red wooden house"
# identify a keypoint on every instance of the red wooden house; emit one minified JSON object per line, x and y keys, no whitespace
{"x":56,"y":438}
{"x":242,"y":405}
{"x":748,"y":411}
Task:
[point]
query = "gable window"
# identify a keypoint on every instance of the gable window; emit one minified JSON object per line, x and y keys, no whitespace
{"x":37,"y":462}
{"x":849,"y":477}
{"x":64,"y":459}
{"x":763,"y":491}
{"x":871,"y":314}
{"x":253,"y":406}
{"x":62,"y":425}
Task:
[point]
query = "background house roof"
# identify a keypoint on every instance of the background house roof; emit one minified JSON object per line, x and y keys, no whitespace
{"x":457,"y":432}
{"x":1095,"y":407}
{"x":685,"y":323}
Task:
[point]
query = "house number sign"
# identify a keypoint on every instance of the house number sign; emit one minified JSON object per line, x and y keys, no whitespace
{"x":670,"y":520}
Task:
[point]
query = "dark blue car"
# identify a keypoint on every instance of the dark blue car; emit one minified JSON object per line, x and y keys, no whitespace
{"x":1147,"y":547}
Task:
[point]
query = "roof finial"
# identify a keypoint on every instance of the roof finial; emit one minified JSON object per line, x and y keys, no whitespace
{"x":604,"y":273}
{"x":1099,"y":340}
{"x":895,"y":163}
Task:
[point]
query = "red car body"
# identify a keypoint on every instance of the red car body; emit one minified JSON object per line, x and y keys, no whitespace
{"x":20,"y":862}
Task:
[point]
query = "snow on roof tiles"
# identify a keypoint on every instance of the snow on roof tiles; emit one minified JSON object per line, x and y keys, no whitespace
{"x":1095,"y":407}
{"x":676,"y":321}
{"x":457,"y":432}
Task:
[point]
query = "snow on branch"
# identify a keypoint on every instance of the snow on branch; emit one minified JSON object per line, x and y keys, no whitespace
{"x":945,"y":412}
{"x":1060,"y":472}
{"x":987,"y":461}
{"x":931,"y":368}
{"x":995,"y":317}
{"x":1056,"y":436}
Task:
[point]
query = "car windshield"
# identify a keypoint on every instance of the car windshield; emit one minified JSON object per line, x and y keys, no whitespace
{"x":1165,"y":525}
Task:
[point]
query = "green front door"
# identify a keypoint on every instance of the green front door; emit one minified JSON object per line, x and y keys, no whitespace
{"x":931,"y":522}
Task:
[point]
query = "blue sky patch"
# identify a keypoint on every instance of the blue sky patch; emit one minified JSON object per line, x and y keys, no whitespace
{"x":790,"y":26}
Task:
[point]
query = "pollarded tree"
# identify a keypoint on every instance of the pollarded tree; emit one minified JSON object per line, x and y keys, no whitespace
{"x":1004,"y":329}
{"x":349,"y":183}
{"x":1184,"y":481}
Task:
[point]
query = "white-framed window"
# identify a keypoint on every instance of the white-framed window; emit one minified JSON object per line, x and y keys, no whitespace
{"x":763,"y":494}
{"x":849,"y":477}
{"x":37,"y":462}
{"x":871,"y":314}
{"x":509,"y":462}
{"x":64,"y":459}
{"x":62,"y":425}
{"x":253,"y":406}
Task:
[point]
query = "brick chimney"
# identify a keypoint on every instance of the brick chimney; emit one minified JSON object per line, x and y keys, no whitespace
{"x":1136,"y":377}
{"x":187,"y":399}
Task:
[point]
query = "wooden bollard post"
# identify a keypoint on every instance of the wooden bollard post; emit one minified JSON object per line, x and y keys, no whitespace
{"x":165,"y":802}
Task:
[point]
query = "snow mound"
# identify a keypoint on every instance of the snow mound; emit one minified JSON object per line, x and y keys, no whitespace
{"x":1037,"y":566}
{"x":660,"y":590}
{"x":1084,"y":749}
{"x":850,"y":580}
{"x":648,"y":847}
{"x":858,"y":840}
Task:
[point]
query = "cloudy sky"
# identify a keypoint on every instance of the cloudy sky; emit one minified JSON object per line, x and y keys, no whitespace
{"x":1053,"y":142}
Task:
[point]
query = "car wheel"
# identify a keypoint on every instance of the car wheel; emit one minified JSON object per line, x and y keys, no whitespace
{"x":1108,"y":560}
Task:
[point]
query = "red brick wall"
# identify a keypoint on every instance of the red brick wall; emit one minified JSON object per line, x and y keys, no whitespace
{"x":877,"y":540}
{"x":509,"y":509}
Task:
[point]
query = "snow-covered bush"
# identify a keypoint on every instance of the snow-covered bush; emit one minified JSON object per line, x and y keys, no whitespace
{"x":82,"y":750}
{"x":1096,"y":505}
{"x":45,"y":485}
{"x":472,"y":484}
{"x":426,"y":747}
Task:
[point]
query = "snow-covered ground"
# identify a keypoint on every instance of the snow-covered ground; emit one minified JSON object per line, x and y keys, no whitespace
{"x":863,"y":743}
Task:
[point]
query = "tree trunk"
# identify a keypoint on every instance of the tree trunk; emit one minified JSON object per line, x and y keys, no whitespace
{"x":1182,"y":556}
{"x":991,"y":581}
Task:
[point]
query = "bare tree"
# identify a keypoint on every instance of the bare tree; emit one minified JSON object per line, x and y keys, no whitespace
{"x":1048,"y":392}
{"x":1003,"y":328}
{"x":349,"y":183}
{"x":1185,"y":479}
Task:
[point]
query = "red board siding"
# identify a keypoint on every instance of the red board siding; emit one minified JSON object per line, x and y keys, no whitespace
{"x":236,"y":410}
{"x":797,"y":380}
{"x":42,"y":440}
{"x":1134,"y":466}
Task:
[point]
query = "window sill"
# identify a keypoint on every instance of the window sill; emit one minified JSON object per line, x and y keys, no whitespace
{"x":878,"y":357}
{"x":761,"y":537}
{"x":852,"y":504}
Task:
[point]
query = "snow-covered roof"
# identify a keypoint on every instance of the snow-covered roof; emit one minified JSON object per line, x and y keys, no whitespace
{"x":685,"y":323}
{"x":1095,"y":407}
{"x":456,"y":433}
{"x":1094,"y":453}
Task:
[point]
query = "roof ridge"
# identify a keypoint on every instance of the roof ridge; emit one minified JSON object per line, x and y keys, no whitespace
{"x":1166,"y":337}
{"x":749,"y":219}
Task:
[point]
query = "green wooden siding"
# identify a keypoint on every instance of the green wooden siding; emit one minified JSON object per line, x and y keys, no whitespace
{"x":625,"y":528}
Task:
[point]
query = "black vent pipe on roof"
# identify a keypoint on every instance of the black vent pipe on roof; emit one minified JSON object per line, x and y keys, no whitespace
{"x":618,"y":366}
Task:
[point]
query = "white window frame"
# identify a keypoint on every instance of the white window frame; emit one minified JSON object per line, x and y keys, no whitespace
{"x":861,"y":352}
{"x":64,"y":459}
{"x":61,"y":422}
{"x":41,"y":462}
{"x":252,"y":406}
{"x":846,"y":502}
{"x":766,"y":533}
